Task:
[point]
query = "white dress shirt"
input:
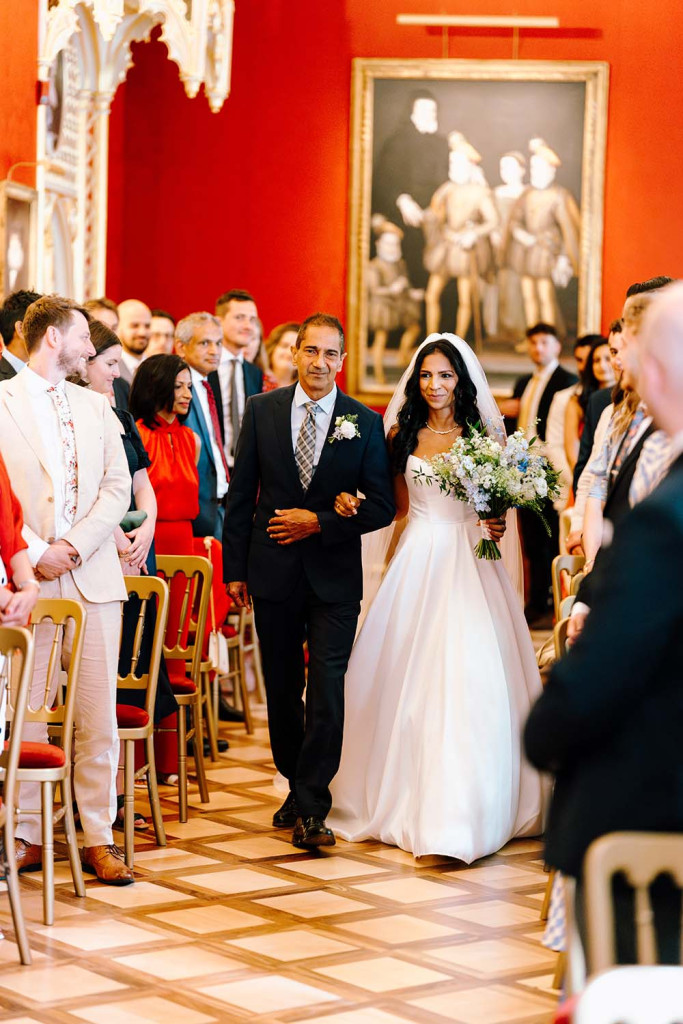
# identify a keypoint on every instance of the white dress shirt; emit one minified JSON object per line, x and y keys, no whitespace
{"x":199,"y":394}
{"x":44,"y":412}
{"x":322,"y":418}
{"x":224,"y":376}
{"x":15,"y":362}
{"x":130,"y":361}
{"x":534,"y":391}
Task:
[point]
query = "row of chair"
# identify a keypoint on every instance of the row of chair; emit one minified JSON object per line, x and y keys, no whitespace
{"x":180,"y":636}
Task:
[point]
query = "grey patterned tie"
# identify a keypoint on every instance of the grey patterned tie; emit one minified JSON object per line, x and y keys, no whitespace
{"x":305,"y":445}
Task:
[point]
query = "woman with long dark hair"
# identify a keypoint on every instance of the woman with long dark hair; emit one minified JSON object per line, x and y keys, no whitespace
{"x":443,"y":672}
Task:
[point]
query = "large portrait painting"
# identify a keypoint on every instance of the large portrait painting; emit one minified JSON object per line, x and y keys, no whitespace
{"x":476,"y":208}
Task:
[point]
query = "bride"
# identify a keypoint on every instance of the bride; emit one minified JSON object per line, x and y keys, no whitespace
{"x":443,"y":673}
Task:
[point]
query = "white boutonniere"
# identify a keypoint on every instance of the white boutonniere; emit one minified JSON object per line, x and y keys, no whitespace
{"x":345,"y":428}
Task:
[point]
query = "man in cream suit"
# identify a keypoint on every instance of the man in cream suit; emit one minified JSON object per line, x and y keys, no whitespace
{"x":62,"y":447}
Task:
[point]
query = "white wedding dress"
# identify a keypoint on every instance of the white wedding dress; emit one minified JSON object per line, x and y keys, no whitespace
{"x":439,"y":685}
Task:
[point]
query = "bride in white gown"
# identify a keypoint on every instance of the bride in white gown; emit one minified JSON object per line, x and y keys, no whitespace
{"x":443,"y":673}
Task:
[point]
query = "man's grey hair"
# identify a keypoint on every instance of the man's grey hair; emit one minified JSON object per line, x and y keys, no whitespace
{"x":189,"y":325}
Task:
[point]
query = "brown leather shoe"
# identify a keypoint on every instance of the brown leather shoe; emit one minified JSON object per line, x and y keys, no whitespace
{"x":29,"y":856}
{"x":107,"y":863}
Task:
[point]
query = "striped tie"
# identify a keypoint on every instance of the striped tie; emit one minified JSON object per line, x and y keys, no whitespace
{"x":305,"y":445}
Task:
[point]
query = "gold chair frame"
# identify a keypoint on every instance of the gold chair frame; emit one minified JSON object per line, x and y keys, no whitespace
{"x":571,"y":564}
{"x":14,"y":641}
{"x":199,"y":571}
{"x":147,"y":588}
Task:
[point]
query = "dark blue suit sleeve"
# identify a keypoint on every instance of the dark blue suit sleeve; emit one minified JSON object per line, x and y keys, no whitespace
{"x":242,"y":495}
{"x":378,"y":508}
{"x":614,"y":666}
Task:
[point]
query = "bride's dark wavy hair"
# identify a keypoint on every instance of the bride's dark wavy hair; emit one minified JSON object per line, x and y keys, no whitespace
{"x":412,"y":416}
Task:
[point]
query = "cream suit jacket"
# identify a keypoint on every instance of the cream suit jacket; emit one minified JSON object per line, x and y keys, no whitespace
{"x":103,"y":483}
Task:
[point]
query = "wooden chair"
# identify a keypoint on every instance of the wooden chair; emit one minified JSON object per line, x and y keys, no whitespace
{"x":560,"y":638}
{"x":641,"y":857}
{"x":16,"y":672}
{"x":236,"y":648}
{"x":571,"y":564}
{"x":566,"y":605}
{"x":135,"y":723}
{"x":637,"y":995}
{"x":183,"y":654}
{"x":50,"y":763}
{"x":577,"y":580}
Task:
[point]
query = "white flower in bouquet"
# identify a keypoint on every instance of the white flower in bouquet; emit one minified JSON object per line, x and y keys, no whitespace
{"x":492,"y":477}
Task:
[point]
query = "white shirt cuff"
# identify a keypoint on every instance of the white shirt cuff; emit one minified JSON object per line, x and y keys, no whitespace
{"x":36,"y":550}
{"x":579,"y":608}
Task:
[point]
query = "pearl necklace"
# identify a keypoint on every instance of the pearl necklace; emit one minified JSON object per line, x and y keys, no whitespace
{"x":441,"y":431}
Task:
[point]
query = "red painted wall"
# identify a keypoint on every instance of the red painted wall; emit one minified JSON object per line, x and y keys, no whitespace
{"x":256,"y":196}
{"x":19,"y":71}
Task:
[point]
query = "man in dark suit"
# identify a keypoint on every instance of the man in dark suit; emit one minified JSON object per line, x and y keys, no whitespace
{"x":285,"y":546}
{"x":610,"y":720}
{"x":198,"y":340}
{"x":12,"y":312}
{"x":236,"y":378}
{"x":528,"y":409}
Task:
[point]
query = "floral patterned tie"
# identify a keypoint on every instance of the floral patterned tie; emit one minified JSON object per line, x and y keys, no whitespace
{"x":66,"y":429}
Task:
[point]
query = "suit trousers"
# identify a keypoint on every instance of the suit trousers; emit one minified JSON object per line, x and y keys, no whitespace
{"x":540,"y":549}
{"x":96,"y":743}
{"x":306,"y":739}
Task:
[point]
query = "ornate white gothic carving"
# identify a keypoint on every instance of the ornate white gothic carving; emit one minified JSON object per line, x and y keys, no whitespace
{"x":94,"y":39}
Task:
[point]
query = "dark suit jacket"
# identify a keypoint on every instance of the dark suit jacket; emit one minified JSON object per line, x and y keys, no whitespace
{"x":558,"y":381}
{"x":205,"y":523}
{"x":610,"y":721}
{"x":253,"y":385}
{"x":121,"y":393}
{"x":265,"y":477}
{"x":597,"y":403}
{"x":6,"y":369}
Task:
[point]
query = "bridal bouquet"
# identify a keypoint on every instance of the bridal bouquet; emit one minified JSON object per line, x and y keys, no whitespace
{"x":492,"y":477}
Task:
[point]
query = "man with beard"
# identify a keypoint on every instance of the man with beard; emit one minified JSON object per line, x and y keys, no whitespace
{"x":62,"y":447}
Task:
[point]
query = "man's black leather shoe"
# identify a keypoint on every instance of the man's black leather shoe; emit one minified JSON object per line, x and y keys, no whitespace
{"x":287,"y":815}
{"x":228,"y":713}
{"x":309,"y":833}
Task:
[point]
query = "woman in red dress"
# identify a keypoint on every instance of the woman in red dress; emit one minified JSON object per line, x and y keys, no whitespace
{"x":161,"y":391}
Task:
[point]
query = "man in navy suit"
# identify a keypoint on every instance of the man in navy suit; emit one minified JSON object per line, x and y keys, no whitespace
{"x":237,"y":378}
{"x":610,"y":720}
{"x":198,"y":340}
{"x":286,"y":547}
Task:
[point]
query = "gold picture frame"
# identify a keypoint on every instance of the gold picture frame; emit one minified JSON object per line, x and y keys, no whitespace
{"x":548,"y":117}
{"x":17,"y":237}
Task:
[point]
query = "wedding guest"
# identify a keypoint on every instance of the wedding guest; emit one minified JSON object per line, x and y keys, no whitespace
{"x":598,"y":402}
{"x":136,"y":550}
{"x":160,"y":393}
{"x":256,"y":355}
{"x":105,"y":310}
{"x":608,"y":723}
{"x":557,"y":415}
{"x":529,"y":406}
{"x":279,"y":345}
{"x":135,"y":327}
{"x":238,"y":378}
{"x":198,"y":341}
{"x":15,"y":355}
{"x":63,"y":452}
{"x":596,"y":374}
{"x":162,"y":334}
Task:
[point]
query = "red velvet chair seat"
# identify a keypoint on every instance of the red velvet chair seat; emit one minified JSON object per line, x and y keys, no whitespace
{"x":128,"y":716}
{"x":228,"y":631}
{"x":183,"y":685}
{"x":40,"y":755}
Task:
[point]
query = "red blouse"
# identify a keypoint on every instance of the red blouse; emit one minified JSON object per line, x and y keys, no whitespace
{"x":11,"y":521}
{"x":173,"y":473}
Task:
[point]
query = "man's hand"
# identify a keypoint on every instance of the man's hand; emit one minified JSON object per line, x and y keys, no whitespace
{"x":289,"y":525}
{"x":410,"y":210}
{"x":59,"y":558}
{"x":575,"y":626}
{"x":239,"y":593}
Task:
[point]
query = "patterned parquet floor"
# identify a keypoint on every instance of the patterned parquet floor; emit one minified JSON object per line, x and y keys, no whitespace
{"x":230,"y":923}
